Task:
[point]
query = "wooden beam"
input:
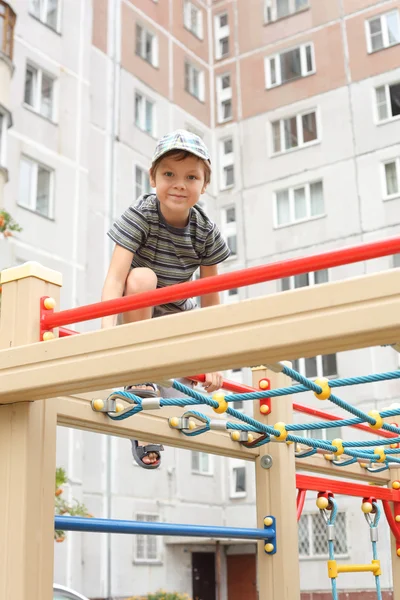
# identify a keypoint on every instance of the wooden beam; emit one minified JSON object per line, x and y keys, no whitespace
{"x":328,"y":318}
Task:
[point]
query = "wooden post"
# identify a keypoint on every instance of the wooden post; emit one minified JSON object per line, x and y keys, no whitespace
{"x":27,"y":449}
{"x":394,"y":476}
{"x":278,"y":575}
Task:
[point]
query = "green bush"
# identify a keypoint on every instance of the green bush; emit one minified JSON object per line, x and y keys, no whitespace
{"x":162,"y":595}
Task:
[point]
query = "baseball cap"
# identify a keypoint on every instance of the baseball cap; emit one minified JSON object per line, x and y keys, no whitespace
{"x":181,"y":140}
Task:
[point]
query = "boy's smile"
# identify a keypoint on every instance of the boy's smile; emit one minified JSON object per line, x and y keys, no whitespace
{"x":179,"y":185}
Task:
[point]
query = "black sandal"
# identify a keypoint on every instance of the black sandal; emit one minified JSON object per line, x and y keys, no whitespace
{"x":139,"y":452}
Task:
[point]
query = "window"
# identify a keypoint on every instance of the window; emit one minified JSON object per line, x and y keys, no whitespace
{"x":231,"y":296}
{"x":193,"y":19}
{"x":224,"y":98}
{"x":392,"y":178}
{"x":289,"y":65}
{"x":304,"y":280}
{"x":194,"y":81}
{"x":221,"y":27}
{"x":146,"y":45}
{"x":294,"y":132}
{"x":227,"y":163}
{"x":47,"y":11}
{"x":35,"y":187}
{"x":317,"y":366}
{"x":298,"y":204}
{"x":39,"y":91}
{"x":277,"y":9}
{"x":236,"y":375}
{"x":330,"y":434}
{"x":237,"y":479}
{"x":383,"y":31}
{"x":396,"y":261}
{"x":144,"y":114}
{"x":147,"y":546}
{"x":201,"y":463}
{"x":388,"y":101}
{"x":229,"y":231}
{"x":3,"y":129}
{"x":142,"y":182}
{"x":7,"y":24}
{"x":313,"y":539}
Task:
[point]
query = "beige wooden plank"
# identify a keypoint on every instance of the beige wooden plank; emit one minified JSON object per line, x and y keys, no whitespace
{"x":323,"y":319}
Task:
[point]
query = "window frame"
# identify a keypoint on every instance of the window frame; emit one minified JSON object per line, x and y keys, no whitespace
{"x":324,"y":556}
{"x":224,"y":95}
{"x":147,"y":560}
{"x":278,"y":70}
{"x":291,"y":190}
{"x":32,"y":206}
{"x":271,"y":5}
{"x":319,"y":365}
{"x":221,"y":33}
{"x":234,"y":465}
{"x":385,"y":195}
{"x":300,"y":132}
{"x":209,"y":472}
{"x":187,"y":19}
{"x":384,"y":30}
{"x":142,"y":118}
{"x":43,"y":13}
{"x":226,"y":161}
{"x":38,"y":73}
{"x":386,"y":87}
{"x":189,"y":88}
{"x":229,"y":230}
{"x":141,"y":52}
{"x":4,"y":120}
{"x":144,"y":172}
{"x":7,"y":25}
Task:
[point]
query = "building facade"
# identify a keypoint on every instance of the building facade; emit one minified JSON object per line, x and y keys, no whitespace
{"x":299,"y":102}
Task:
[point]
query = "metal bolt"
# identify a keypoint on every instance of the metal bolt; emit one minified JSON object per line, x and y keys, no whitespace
{"x":266,"y":461}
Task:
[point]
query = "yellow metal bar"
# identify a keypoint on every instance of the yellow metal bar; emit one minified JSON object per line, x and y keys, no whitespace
{"x":334,"y":569}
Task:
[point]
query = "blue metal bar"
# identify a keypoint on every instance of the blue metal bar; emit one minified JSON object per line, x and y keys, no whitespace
{"x":117,"y":526}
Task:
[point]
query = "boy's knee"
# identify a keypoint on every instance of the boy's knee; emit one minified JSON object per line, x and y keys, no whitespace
{"x":140,"y":279}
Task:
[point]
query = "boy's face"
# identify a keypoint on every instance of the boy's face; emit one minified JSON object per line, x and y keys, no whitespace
{"x":179,"y":185}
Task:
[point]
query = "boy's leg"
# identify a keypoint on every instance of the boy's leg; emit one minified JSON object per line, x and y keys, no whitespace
{"x":140,"y":279}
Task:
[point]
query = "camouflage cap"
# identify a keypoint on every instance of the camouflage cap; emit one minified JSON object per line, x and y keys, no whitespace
{"x":181,"y":140}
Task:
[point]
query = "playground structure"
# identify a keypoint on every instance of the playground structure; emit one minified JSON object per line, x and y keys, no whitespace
{"x":45,"y":383}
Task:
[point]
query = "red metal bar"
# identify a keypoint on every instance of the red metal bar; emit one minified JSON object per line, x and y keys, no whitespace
{"x":301,"y":498}
{"x":320,"y":484}
{"x":227,"y":281}
{"x":64,"y":332}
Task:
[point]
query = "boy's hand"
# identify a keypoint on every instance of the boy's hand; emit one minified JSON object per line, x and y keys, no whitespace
{"x":213,"y":382}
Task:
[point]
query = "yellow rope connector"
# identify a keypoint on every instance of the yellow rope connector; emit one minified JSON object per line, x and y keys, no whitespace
{"x":375,"y":415}
{"x":367,"y":507}
{"x":281,"y":427}
{"x":338,"y":443}
{"x":222,"y":403}
{"x":334,"y":569}
{"x":322,"y":502}
{"x":381,"y":451}
{"x":326,"y":390}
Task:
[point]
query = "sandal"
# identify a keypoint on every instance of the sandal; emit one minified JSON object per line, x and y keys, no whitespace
{"x":139,"y":452}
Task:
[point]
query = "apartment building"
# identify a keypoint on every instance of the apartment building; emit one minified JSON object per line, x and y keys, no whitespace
{"x":299,"y":102}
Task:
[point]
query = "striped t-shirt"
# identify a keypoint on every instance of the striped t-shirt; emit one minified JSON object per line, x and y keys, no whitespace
{"x":172,"y":253}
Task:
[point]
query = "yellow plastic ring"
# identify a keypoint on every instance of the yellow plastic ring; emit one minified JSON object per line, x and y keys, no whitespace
{"x":339,"y":445}
{"x":326,"y":390}
{"x":379,"y":421}
{"x":222,"y":403}
{"x":381,"y":451}
{"x":281,"y":427}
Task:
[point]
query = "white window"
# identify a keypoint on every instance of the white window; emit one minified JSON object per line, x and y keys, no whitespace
{"x":194,"y":81}
{"x":238,"y":487}
{"x":327,"y":435}
{"x":224,"y":98}
{"x":237,"y":376}
{"x":142,"y":182}
{"x":193,"y":19}
{"x":294,"y":132}
{"x":277,"y":9}
{"x":289,"y":65}
{"x":202,"y":463}
{"x":35,"y":187}
{"x":313,"y":536}
{"x":229,"y":230}
{"x":146,"y":45}
{"x":396,"y":261}
{"x":304,"y":280}
{"x":299,"y":203}
{"x":3,"y":130}
{"x":227,"y":163}
{"x":147,"y":548}
{"x":39,"y":91}
{"x":221,"y":31}
{"x":388,"y":101}
{"x":391,"y":171}
{"x":383,"y":31}
{"x":144,"y":114}
{"x":47,"y":11}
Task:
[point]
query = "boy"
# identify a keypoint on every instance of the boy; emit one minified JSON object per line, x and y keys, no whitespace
{"x":161,"y":240}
